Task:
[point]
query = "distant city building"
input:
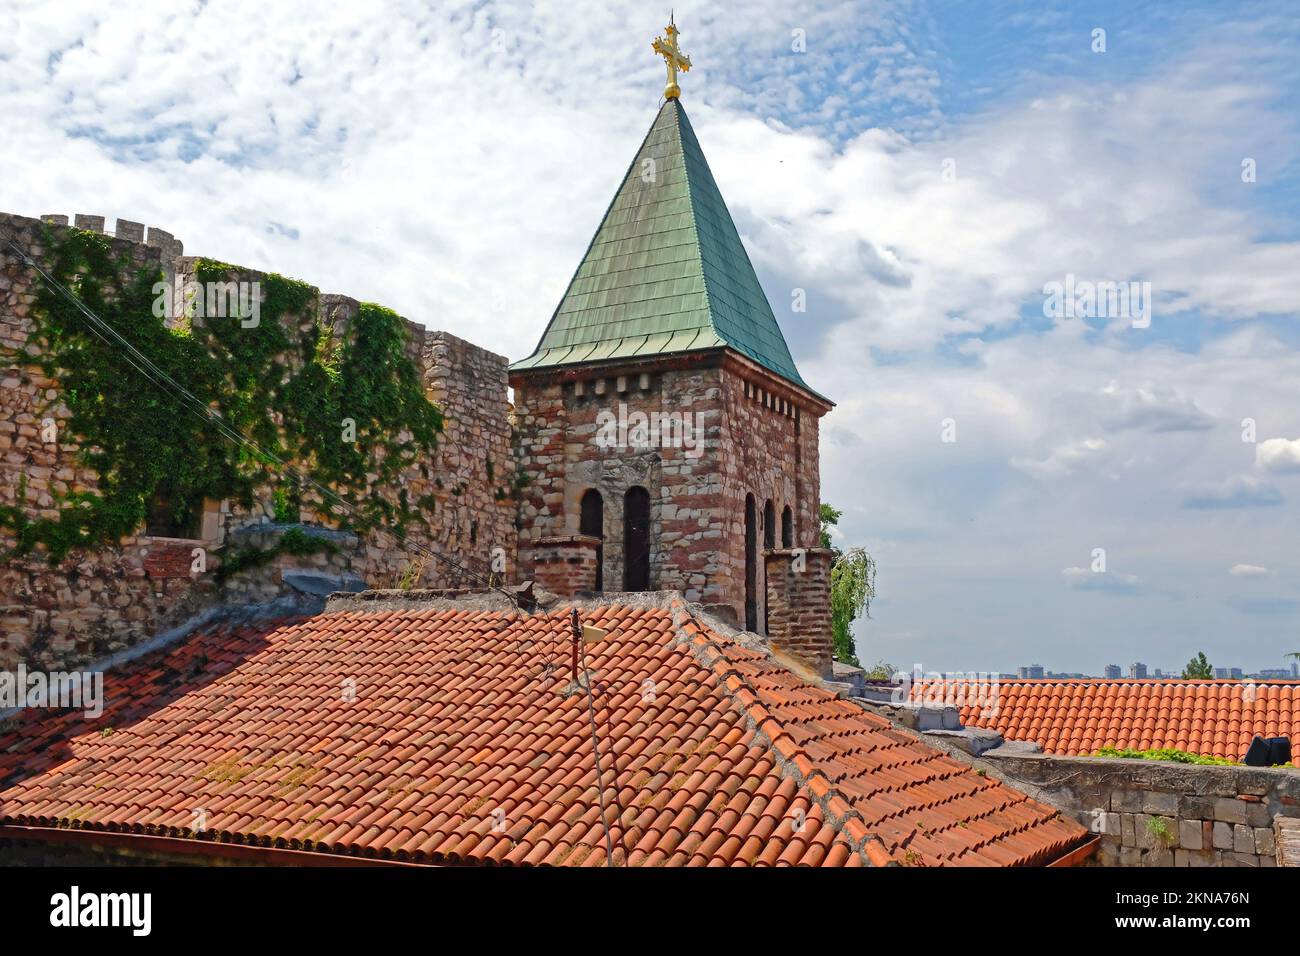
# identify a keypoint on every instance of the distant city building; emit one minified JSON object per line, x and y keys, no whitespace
{"x":1234,"y":673}
{"x":1113,"y":672}
{"x":1137,"y":671}
{"x":1221,"y":672}
{"x":1295,"y":668}
{"x":1033,"y":672}
{"x":1275,"y":673}
{"x":1158,"y":673}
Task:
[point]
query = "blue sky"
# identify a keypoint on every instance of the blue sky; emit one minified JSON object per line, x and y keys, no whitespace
{"x":452,"y":159}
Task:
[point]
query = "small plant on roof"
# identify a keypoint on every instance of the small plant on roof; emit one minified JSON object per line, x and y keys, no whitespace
{"x":1165,"y":753}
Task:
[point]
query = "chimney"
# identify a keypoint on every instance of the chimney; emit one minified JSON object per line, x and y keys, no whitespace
{"x":799,"y":605}
{"x":565,"y":564}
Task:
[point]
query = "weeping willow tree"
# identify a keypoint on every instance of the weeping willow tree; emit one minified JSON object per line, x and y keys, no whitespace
{"x":853,"y":586}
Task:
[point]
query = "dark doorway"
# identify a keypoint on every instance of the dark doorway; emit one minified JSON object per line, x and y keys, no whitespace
{"x":751,"y":564}
{"x":787,"y":527}
{"x":636,"y":539}
{"x":593,"y":523}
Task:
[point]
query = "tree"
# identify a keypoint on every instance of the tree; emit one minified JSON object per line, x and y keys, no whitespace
{"x":829,"y":516}
{"x":1198,"y":668}
{"x":853,"y":585}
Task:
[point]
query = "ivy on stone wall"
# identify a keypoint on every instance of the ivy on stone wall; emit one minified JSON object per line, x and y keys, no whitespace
{"x":289,"y":383}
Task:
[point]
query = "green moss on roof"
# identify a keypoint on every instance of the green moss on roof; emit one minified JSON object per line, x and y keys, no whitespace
{"x":666,"y":271}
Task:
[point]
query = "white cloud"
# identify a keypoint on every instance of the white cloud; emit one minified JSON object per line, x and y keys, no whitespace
{"x":1083,"y":579}
{"x":449,"y":163}
{"x":1249,"y":571}
{"x":1154,"y":408}
{"x":1279,"y":456}
{"x":1063,"y":460}
{"x":1239,"y":491}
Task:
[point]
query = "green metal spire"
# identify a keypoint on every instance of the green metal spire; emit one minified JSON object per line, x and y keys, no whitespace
{"x":666,"y":271}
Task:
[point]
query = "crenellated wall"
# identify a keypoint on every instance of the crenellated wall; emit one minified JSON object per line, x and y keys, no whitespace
{"x":109,"y":598}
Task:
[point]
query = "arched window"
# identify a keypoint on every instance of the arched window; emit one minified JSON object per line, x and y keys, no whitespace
{"x":593,"y":523}
{"x":769,"y":541}
{"x":636,"y":539}
{"x":787,"y":527}
{"x":751,"y":564}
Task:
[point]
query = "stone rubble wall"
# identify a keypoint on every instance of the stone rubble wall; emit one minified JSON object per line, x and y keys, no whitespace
{"x":1159,"y":813}
{"x":98,"y":602}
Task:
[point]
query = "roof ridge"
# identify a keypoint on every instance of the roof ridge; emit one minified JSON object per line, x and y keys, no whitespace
{"x":791,"y":759}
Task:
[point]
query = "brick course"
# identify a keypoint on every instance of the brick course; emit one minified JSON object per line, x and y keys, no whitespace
{"x":565,"y":565}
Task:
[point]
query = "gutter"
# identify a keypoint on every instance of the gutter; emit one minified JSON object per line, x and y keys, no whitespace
{"x":1079,"y":855}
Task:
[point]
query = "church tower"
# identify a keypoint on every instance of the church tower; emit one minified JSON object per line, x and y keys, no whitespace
{"x":664,"y":436}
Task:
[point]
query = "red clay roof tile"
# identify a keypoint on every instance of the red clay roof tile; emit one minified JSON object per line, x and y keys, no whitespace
{"x":1217,"y":718}
{"x":458,"y":743}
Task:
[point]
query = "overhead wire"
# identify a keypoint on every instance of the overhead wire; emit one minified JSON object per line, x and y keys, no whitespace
{"x":160,"y":379}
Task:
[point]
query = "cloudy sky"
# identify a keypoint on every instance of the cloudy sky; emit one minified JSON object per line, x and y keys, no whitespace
{"x":922,"y":170}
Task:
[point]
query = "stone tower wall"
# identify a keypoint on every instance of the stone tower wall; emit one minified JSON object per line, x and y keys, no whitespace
{"x":560,"y":456}
{"x":756,"y":441}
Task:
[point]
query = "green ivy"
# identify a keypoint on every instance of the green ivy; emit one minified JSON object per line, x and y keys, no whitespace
{"x":287,"y":388}
{"x":294,"y":541}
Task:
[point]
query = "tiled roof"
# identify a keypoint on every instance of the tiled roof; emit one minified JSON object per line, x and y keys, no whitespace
{"x":1216,"y":718}
{"x":666,"y":271}
{"x":447,"y":736}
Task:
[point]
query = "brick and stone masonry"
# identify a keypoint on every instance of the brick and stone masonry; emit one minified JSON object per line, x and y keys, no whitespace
{"x":565,"y":564}
{"x":798,"y":605}
{"x":760,"y":438}
{"x":110,"y":598}
{"x":503,"y":479}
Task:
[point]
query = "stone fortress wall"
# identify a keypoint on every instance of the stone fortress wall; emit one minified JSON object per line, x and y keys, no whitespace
{"x":107,"y":599}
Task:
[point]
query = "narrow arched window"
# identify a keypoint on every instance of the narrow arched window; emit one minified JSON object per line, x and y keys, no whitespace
{"x":636,"y":539}
{"x":787,"y":527}
{"x":769,"y":541}
{"x":592,"y":523}
{"x":751,"y":564}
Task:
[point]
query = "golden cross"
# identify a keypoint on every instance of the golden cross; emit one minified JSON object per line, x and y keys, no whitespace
{"x":675,"y":59}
